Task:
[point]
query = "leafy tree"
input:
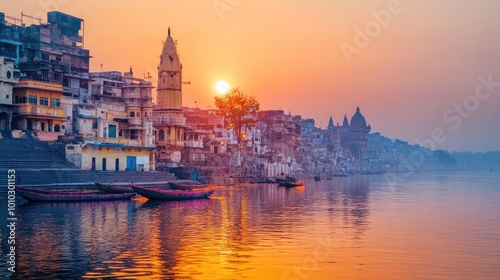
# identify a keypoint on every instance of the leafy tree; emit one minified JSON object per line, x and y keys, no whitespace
{"x":240,"y":110}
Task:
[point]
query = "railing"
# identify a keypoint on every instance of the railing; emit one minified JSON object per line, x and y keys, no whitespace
{"x":41,"y":110}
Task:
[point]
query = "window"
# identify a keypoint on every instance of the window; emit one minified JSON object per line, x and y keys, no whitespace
{"x":9,"y":74}
{"x":45,"y":75}
{"x":55,"y":102}
{"x":6,"y":96}
{"x":132,"y":114}
{"x":44,"y":101}
{"x":33,"y":100}
{"x":161,"y":135}
{"x":20,"y":99}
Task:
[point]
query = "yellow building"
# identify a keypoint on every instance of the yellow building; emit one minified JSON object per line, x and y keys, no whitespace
{"x":38,"y":108}
{"x":108,"y":156}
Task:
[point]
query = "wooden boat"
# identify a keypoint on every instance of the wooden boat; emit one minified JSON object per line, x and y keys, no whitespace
{"x":36,"y":196}
{"x":287,"y":179}
{"x":52,"y":191}
{"x":291,"y":184}
{"x":160,"y":194}
{"x":317,"y":178}
{"x":339,"y":175}
{"x":113,"y":189}
{"x":186,"y":186}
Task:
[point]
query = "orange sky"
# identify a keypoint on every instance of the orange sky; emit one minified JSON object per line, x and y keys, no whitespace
{"x":426,"y":58}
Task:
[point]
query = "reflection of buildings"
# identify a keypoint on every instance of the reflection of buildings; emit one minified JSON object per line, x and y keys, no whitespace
{"x":169,"y":121}
{"x":242,"y":227}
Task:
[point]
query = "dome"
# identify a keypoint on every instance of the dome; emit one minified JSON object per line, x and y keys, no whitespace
{"x":358,"y":121}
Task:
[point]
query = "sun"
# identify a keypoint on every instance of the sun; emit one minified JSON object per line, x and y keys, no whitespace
{"x":222,"y":87}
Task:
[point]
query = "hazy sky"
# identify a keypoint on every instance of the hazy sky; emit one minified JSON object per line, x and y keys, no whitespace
{"x":414,"y":73}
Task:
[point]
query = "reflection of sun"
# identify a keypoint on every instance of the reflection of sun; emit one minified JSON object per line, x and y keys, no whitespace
{"x":222,"y":86}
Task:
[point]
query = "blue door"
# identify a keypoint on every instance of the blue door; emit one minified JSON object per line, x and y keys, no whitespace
{"x":131,"y":163}
{"x":194,"y":176}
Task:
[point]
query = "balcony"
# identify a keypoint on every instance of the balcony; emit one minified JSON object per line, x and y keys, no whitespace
{"x":42,"y":111}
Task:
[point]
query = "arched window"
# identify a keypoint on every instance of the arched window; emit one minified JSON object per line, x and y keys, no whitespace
{"x":56,"y":128}
{"x":132,"y":114}
{"x":161,"y":135}
{"x":138,"y":114}
{"x":179,"y":135}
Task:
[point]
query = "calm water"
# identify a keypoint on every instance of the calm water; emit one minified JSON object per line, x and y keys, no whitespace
{"x":427,"y":226}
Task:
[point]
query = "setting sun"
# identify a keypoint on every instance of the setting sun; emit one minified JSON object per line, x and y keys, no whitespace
{"x":222,"y":86}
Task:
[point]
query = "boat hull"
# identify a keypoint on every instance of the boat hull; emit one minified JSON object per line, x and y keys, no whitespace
{"x":49,"y":191}
{"x":34,"y":196}
{"x":291,"y":184}
{"x":157,"y":194}
{"x":114,"y":189}
{"x":186,"y":187}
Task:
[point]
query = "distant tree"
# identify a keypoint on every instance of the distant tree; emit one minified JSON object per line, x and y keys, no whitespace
{"x":445,"y":157}
{"x":240,"y":110}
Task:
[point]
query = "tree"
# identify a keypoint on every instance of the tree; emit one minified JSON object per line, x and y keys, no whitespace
{"x":239,"y":109}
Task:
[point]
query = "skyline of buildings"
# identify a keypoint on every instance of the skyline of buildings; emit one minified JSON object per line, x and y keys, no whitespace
{"x":414,"y":81}
{"x":54,"y":96}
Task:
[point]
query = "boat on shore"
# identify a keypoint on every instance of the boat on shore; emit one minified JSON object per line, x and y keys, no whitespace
{"x":291,"y":184}
{"x":186,"y":186}
{"x":114,"y":189}
{"x":162,"y":194}
{"x":317,"y":178}
{"x":54,"y":191}
{"x":56,"y":197}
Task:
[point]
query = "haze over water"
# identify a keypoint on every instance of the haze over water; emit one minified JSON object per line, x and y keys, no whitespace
{"x":428,"y":226}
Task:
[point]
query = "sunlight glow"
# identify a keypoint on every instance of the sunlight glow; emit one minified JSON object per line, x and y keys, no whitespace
{"x":222,"y":86}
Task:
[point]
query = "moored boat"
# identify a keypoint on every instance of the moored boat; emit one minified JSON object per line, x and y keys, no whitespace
{"x":186,"y":186}
{"x":291,"y":184}
{"x":53,"y":197}
{"x":53,"y":191}
{"x":113,"y":189}
{"x":286,"y":179}
{"x":317,"y":178}
{"x":161,"y":194}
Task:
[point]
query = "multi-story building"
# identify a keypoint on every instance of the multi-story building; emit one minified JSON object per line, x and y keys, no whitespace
{"x":168,"y":118}
{"x":38,"y":108}
{"x":9,"y":73}
{"x":53,"y":52}
{"x":280,"y":135}
{"x":9,"y":76}
{"x":50,"y":52}
{"x":120,"y":107}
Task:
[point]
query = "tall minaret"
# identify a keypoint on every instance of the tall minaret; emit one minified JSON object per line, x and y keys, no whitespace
{"x":169,"y":91}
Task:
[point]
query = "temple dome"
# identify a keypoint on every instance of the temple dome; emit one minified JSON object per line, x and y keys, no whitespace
{"x":358,"y":121}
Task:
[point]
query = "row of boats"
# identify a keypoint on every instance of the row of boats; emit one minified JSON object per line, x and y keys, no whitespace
{"x":177,"y":191}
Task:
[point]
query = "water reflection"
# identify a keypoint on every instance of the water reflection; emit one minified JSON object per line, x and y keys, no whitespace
{"x":247,"y":231}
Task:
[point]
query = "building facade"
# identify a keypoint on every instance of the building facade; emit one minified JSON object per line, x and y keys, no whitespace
{"x":9,"y":76}
{"x":38,"y":109}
